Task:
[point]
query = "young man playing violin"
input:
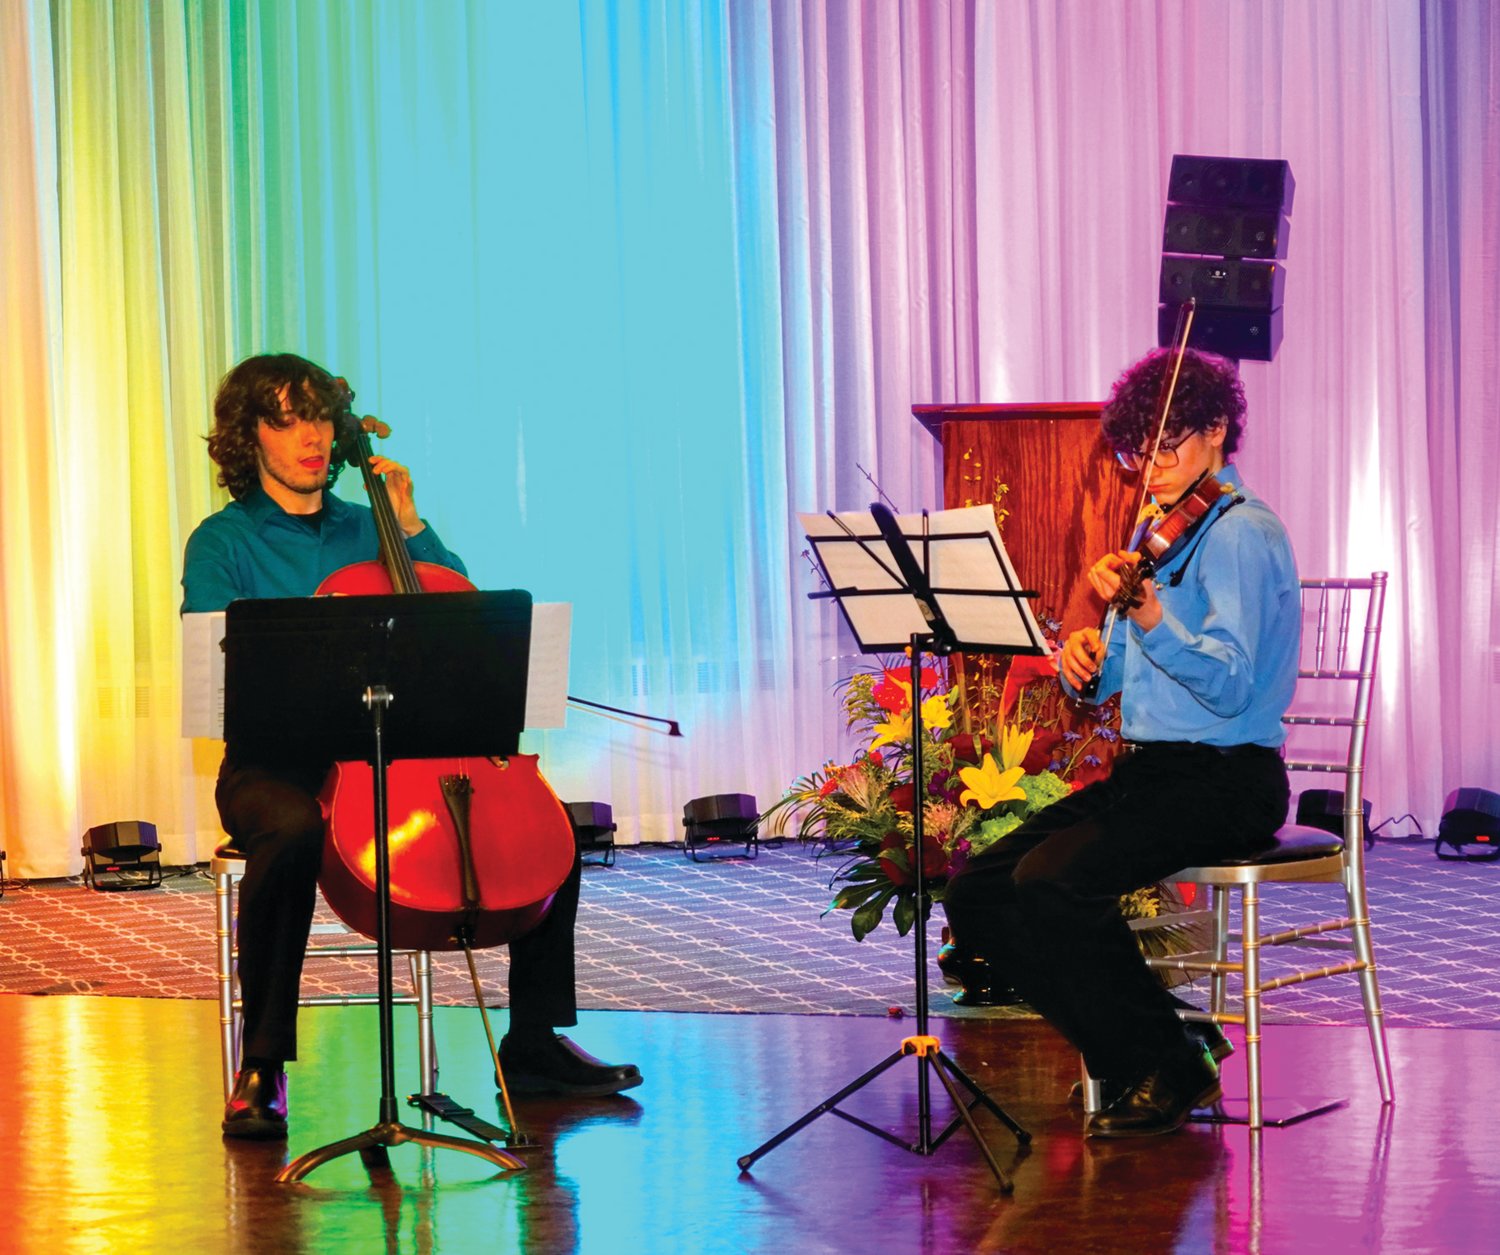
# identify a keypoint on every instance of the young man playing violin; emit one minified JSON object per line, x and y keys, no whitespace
{"x":1205,"y":661}
{"x":284,"y":532}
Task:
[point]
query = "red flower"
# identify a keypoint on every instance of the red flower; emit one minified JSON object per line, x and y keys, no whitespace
{"x":1044,"y":745}
{"x":934,"y":859}
{"x":1024,"y":668}
{"x":971,"y":749}
{"x":891,"y":694}
{"x":902,"y":796}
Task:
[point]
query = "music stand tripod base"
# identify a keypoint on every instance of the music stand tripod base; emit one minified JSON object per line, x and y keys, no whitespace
{"x":372,"y":1143}
{"x":929,"y":1054}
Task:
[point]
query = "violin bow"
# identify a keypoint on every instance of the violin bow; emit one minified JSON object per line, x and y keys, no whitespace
{"x":1129,"y":576}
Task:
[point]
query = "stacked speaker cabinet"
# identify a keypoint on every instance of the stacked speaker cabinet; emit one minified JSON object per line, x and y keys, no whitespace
{"x":1224,"y":241}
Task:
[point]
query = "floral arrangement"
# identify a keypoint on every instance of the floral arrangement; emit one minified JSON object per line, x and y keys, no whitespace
{"x":975,"y":787}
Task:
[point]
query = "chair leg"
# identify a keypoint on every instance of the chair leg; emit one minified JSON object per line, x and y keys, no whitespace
{"x":426,"y":1044}
{"x":1093,"y":1091}
{"x":1250,"y":946}
{"x":224,"y":959}
{"x":1369,"y":988}
{"x":1219,"y":983}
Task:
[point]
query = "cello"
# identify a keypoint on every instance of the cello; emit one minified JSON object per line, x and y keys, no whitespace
{"x":478,"y":846}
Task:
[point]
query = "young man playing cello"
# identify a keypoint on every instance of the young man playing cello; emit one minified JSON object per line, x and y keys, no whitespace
{"x":284,"y":532}
{"x":1205,"y":661}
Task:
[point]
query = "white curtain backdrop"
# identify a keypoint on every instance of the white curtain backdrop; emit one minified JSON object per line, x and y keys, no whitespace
{"x":634,"y":284}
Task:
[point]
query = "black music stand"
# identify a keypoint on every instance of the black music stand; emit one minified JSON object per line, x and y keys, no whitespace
{"x":962,"y":594}
{"x":375,"y":678}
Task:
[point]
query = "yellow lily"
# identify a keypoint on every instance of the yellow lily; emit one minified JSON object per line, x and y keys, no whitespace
{"x":988,"y":785}
{"x":936,"y":712}
{"x":1014,"y":745}
{"x":894,"y":730}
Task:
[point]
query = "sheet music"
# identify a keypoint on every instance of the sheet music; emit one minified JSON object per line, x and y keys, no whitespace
{"x":875,"y":618}
{"x":964,"y":550}
{"x":972,"y":564}
{"x":203,"y":675}
{"x":547,"y":677}
{"x":203,"y":670}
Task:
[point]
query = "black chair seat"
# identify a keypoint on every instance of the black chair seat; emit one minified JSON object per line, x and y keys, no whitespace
{"x":1292,"y":844}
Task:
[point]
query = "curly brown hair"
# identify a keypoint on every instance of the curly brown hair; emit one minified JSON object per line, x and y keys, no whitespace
{"x":247,"y":397}
{"x":1208,"y":393}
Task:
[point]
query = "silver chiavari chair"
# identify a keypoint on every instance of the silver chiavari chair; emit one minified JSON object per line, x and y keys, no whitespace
{"x":1327,"y":730}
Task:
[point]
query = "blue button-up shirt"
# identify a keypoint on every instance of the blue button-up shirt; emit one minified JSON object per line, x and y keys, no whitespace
{"x":254,"y":548}
{"x":1221,"y":665}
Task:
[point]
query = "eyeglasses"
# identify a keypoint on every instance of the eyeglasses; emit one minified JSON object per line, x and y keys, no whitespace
{"x":1166,"y":455}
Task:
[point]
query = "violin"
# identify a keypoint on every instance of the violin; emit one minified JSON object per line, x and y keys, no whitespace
{"x":1159,"y":535}
{"x":1163,"y":536}
{"x":478,"y":846}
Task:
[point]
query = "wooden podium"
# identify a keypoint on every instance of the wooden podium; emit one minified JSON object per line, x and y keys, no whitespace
{"x":1061,"y":501}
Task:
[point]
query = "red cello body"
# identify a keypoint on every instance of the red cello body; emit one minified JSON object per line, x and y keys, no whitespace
{"x":522,"y":850}
{"x":474,"y":872}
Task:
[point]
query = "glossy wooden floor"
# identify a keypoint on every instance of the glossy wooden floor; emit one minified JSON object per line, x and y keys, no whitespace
{"x":111,"y":1143}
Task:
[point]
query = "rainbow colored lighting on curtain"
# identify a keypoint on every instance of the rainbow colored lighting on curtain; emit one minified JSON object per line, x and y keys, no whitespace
{"x":632,"y":284}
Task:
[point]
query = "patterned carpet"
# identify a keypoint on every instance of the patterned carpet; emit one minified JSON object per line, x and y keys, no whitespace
{"x":660,"y":932}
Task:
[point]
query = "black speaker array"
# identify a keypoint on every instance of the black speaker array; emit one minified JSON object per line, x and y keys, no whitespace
{"x":1224,"y":238}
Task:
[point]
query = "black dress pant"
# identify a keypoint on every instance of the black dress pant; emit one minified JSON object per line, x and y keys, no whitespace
{"x":1042,"y":907}
{"x":273,"y":815}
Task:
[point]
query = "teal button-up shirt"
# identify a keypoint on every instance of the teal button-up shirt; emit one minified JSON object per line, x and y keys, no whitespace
{"x":1221,"y":665}
{"x":252,"y":548}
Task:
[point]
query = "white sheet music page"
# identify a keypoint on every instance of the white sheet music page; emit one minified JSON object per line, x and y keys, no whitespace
{"x":203,"y":675}
{"x":547,"y":678}
{"x":878,"y":622}
{"x":980,"y":563}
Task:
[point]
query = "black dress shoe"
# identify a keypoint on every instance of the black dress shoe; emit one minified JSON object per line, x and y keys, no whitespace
{"x":980,"y":985}
{"x":1162,"y":1102}
{"x":554,"y":1065}
{"x":257,"y":1108}
{"x":1211,"y":1037}
{"x":1109,"y":1093}
{"x":1206,"y":1034}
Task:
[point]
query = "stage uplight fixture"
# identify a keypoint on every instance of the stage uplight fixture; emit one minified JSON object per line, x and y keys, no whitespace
{"x":714,"y":823}
{"x":1324,"y":808}
{"x":1470,"y":827}
{"x":121,"y":856}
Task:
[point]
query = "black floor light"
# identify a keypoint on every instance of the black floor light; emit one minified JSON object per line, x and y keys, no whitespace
{"x":1470,"y":826}
{"x":712,"y":825}
{"x":594,"y":829}
{"x":124,"y":855}
{"x":1324,"y":808}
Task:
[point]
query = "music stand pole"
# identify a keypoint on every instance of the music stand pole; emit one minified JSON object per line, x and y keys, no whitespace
{"x":388,"y":1130}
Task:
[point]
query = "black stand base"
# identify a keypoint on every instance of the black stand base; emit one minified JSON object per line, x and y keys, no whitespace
{"x":372,"y":1143}
{"x":929,"y":1055}
{"x":931,"y":1061}
{"x":1275,"y":1113}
